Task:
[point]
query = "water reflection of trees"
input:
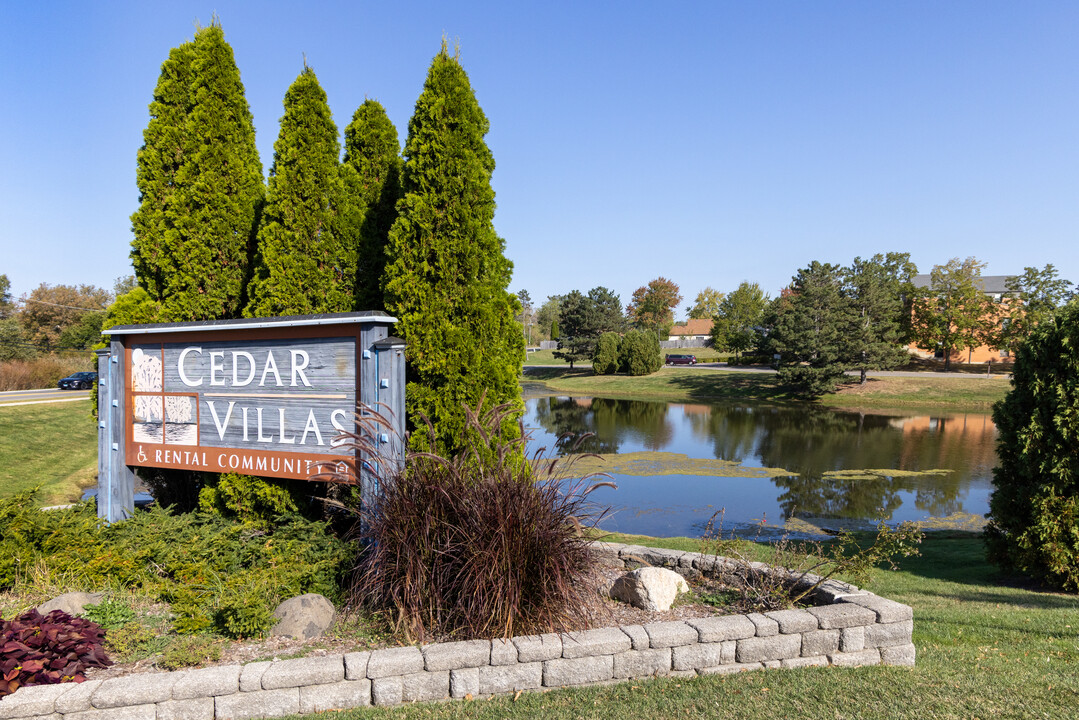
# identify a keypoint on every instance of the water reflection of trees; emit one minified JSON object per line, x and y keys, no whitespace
{"x":611,"y":422}
{"x":809,"y":442}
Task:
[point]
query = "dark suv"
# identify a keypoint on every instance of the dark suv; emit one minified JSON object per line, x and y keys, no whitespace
{"x":78,"y":381}
{"x":681,"y":360}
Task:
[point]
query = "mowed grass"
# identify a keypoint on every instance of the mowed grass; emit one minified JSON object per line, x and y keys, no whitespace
{"x":986,"y":648}
{"x":959,"y":394}
{"x":53,"y":445}
{"x":967,"y":391}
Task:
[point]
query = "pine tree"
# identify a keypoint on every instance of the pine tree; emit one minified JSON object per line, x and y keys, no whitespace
{"x":306,"y":261}
{"x":876,"y":301}
{"x":200,"y":184}
{"x":371,"y":173}
{"x":812,"y":329}
{"x":447,"y":274}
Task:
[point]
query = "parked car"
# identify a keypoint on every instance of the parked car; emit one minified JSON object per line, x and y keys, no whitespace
{"x":78,"y":381}
{"x":681,"y":360}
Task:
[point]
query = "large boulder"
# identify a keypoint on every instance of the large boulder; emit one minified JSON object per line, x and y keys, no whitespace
{"x":73,"y":603}
{"x":649,"y":588}
{"x":303,"y":617}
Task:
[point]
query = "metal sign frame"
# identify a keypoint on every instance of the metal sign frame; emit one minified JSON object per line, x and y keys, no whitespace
{"x":185,"y":396}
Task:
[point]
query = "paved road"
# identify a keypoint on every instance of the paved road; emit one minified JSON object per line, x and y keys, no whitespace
{"x":33,"y":397}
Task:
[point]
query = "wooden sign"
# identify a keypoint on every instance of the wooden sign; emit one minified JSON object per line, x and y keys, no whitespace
{"x":267,"y":397}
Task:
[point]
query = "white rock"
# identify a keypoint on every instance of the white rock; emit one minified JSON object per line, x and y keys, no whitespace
{"x":73,"y":603}
{"x":649,"y":588}
{"x":303,"y":617}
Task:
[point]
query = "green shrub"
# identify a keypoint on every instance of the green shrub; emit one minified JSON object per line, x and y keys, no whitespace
{"x":605,"y":360}
{"x":639,"y":353}
{"x":132,"y":641}
{"x":1033,"y":516}
{"x":219,"y":574}
{"x":253,"y":500}
{"x":184,"y":652}
{"x":109,"y":613}
{"x":482,"y":544}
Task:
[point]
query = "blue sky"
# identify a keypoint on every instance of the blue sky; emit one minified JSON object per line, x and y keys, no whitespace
{"x":708,"y":142}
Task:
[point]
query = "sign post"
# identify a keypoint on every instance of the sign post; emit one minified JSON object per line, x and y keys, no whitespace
{"x":265,"y":397}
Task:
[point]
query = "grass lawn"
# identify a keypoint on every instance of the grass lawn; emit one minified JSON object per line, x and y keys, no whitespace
{"x":959,"y":394}
{"x":986,"y":649}
{"x":53,"y":445}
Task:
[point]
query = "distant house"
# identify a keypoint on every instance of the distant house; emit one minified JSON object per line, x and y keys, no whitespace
{"x":693,"y":334}
{"x":696,"y":329}
{"x":996,"y":287}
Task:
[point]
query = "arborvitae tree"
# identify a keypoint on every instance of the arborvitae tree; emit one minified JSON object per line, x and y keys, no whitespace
{"x":1034,"y":510}
{"x":639,"y":353}
{"x":200,"y":184}
{"x":447,"y":274}
{"x":306,"y":260}
{"x":371,"y":172}
{"x":605,"y":360}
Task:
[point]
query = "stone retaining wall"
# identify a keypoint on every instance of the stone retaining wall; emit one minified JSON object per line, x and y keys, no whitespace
{"x":850,"y":627}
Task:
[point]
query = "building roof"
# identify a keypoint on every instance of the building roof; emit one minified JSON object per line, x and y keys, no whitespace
{"x":694,"y":326}
{"x":992,"y":284}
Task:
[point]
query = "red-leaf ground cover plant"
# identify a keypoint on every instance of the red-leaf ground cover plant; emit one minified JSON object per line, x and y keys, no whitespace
{"x":38,"y":649}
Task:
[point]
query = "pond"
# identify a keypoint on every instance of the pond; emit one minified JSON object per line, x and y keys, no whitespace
{"x":772,"y":469}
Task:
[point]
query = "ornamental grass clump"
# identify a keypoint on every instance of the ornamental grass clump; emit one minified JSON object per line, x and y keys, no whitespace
{"x":487,"y":543}
{"x":38,"y":649}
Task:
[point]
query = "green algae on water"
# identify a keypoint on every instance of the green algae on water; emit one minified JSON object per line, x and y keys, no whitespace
{"x":668,"y":463}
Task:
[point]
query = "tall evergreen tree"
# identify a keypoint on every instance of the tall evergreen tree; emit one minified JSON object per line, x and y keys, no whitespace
{"x":812,"y":328}
{"x":579,"y":328}
{"x":200,"y":184}
{"x":371,"y":172}
{"x":447,"y":274}
{"x":876,"y":302}
{"x":306,"y":260}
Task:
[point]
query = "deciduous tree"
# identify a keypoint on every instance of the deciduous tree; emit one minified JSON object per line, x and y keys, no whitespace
{"x":49,"y":310}
{"x":447,"y":274}
{"x":707,"y":304}
{"x":1035,"y":296}
{"x":306,"y":260}
{"x":547,"y":317}
{"x":371,"y":172}
{"x":953,"y":313}
{"x":652,"y":306}
{"x":200,"y":184}
{"x":738,"y":318}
